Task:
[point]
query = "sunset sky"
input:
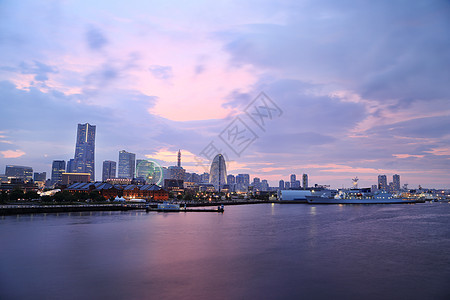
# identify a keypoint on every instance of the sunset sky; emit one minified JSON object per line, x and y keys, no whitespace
{"x":363,"y":87}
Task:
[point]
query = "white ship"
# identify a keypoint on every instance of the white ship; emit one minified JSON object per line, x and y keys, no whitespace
{"x":357,"y":196}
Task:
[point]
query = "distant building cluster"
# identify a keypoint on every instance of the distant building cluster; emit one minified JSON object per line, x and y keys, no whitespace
{"x":138,"y":175}
{"x":293,"y":183}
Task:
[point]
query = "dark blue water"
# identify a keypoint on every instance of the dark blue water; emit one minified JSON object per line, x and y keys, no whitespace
{"x":250,"y":252}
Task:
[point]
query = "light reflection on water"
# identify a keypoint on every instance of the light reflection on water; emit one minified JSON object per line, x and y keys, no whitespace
{"x":252,"y":251}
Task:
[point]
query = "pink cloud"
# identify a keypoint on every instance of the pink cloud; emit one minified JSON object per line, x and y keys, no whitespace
{"x":12,"y":153}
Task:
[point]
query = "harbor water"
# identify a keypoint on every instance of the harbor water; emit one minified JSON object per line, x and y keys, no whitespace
{"x":261,"y":251}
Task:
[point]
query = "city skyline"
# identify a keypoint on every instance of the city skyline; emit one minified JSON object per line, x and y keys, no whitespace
{"x":362,"y":87}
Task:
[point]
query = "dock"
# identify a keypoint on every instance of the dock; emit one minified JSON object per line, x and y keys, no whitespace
{"x":216,"y":210}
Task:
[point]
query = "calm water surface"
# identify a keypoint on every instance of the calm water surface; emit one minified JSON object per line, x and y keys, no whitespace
{"x":250,"y":252}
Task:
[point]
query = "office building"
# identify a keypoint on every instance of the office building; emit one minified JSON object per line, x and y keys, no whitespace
{"x":21,"y":172}
{"x":305,"y":181}
{"x":109,"y":170}
{"x":295,"y":184}
{"x":293,"y":178}
{"x":218,"y":172}
{"x":58,"y":167}
{"x":281,"y":184}
{"x":242,"y":183}
{"x":287,"y":185}
{"x":84,"y":161}
{"x":382,"y":182}
{"x":127,"y":164}
{"x":396,"y":182}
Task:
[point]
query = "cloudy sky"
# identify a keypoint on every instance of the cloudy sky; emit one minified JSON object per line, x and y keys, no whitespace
{"x":362,"y":87}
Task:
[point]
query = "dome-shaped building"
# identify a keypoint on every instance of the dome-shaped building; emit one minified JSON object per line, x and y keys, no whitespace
{"x":218,"y":172}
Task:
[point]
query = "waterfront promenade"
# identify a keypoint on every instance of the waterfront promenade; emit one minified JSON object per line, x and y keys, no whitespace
{"x":37,"y":208}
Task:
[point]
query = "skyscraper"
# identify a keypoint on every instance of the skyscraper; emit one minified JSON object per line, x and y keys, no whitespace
{"x":242,"y":183}
{"x":293,"y":178}
{"x":84,"y":161}
{"x":305,"y":181}
{"x":281,"y":184}
{"x":109,"y":170}
{"x":382,"y":182}
{"x":179,"y":159}
{"x":218,"y":172}
{"x":127,"y":164}
{"x":396,"y":182}
{"x":58,"y":167}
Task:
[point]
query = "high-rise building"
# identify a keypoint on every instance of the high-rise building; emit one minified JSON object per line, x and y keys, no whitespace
{"x":287,"y":185}
{"x":109,"y":170}
{"x":256,"y":184}
{"x":127,"y":164}
{"x":396,"y":182}
{"x":264,"y":185}
{"x":305,"y":181}
{"x":179,"y":159}
{"x":293,"y":178}
{"x":176,"y":173}
{"x":58,"y":167}
{"x":70,"y":166}
{"x":382,"y":182}
{"x":281,"y":185}
{"x":21,"y":172}
{"x":231,"y":179}
{"x":218,"y":172}
{"x":242,"y":183}
{"x":295,"y":184}
{"x":84,"y":160}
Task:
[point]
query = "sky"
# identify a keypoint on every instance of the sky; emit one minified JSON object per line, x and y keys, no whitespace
{"x":333,"y":89}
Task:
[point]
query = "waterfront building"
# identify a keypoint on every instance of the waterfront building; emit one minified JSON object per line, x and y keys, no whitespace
{"x":382,"y":182}
{"x":109,"y":170}
{"x":121,"y":181}
{"x":84,"y":159}
{"x":218,"y":172}
{"x":127,"y":164}
{"x":305,"y":181}
{"x":396,"y":182}
{"x":21,"y":172}
{"x":242,"y":183}
{"x":281,"y":184}
{"x":69,"y":178}
{"x":58,"y":167}
{"x":231,"y":179}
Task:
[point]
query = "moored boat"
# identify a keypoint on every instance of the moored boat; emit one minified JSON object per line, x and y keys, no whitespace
{"x":355,"y":196}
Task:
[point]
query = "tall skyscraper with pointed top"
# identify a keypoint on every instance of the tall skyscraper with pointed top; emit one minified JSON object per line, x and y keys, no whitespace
{"x":84,"y":159}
